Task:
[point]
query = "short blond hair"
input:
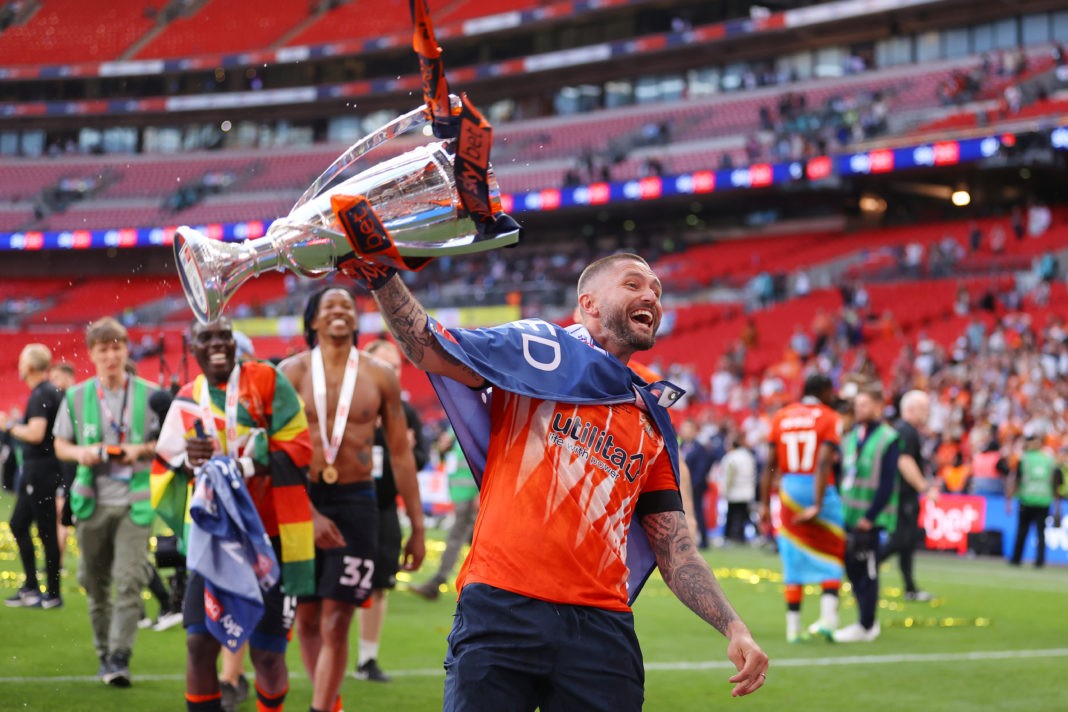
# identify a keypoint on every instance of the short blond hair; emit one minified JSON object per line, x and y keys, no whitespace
{"x":597,"y":267}
{"x":105,"y":330}
{"x":37,"y":356}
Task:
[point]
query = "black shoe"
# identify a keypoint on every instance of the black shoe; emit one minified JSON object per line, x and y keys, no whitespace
{"x":430,"y":590}
{"x":102,"y":671}
{"x":118,"y":670}
{"x":26,"y":597}
{"x":370,"y":671}
{"x":233,"y":695}
{"x":50,"y":601}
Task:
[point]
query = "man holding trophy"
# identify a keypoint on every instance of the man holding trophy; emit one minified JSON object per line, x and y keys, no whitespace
{"x":568,"y":444}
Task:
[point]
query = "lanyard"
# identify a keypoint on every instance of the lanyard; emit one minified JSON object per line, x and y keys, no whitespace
{"x":230,"y":412}
{"x":117,"y":426}
{"x":344,"y":399}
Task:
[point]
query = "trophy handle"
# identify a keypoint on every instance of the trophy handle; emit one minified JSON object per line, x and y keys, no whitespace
{"x":400,"y":125}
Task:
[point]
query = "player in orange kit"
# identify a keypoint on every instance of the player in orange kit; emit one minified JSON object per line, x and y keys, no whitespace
{"x":804,"y":441}
{"x":572,"y":450}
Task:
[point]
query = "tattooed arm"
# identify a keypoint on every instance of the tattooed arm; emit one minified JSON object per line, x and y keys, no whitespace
{"x":407,"y":320}
{"x":689,"y":577}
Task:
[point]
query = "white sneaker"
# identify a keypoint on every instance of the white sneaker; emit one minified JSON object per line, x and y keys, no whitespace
{"x":168,"y":620}
{"x":856,"y":633}
{"x":818,"y":630}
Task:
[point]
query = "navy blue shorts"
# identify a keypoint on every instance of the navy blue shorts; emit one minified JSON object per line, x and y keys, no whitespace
{"x":387,"y":562}
{"x":346,"y":573}
{"x":510,"y":652}
{"x":271,"y":633}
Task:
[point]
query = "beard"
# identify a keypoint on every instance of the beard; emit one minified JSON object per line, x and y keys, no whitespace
{"x":617,"y":323}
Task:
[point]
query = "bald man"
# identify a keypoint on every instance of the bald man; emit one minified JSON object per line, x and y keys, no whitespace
{"x":915,"y":408}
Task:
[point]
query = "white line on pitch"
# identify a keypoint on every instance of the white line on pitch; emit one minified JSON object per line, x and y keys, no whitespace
{"x":668,"y":667}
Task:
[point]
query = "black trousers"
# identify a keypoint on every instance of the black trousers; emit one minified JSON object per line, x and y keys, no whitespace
{"x":862,"y":568}
{"x":699,"y":490}
{"x":36,"y":503}
{"x":904,"y":541}
{"x":737,"y":520}
{"x":1027,"y":516}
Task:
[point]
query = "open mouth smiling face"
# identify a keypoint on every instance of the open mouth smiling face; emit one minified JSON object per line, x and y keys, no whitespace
{"x":644,"y":317}
{"x":337,"y":315}
{"x":215,"y":350}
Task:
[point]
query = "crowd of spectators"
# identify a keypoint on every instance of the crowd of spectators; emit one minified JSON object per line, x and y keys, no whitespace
{"x":967,"y":85}
{"x":997,"y":379}
{"x":10,"y":11}
{"x":796,"y":130}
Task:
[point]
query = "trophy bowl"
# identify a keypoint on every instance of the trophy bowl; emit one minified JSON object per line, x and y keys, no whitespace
{"x":414,"y":195}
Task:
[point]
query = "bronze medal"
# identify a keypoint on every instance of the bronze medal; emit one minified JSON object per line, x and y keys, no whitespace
{"x":329,"y":475}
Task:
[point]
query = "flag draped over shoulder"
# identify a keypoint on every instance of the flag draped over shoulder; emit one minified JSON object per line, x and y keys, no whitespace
{"x":272,"y":430}
{"x":230,"y":549}
{"x":541,"y":360}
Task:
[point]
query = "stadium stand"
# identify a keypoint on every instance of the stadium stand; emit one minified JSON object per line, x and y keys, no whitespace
{"x":354,"y":20}
{"x":70,"y":31}
{"x":535,"y":153}
{"x":225,"y":26}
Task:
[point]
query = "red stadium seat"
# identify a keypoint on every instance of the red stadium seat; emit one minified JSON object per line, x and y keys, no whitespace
{"x":72,"y":31}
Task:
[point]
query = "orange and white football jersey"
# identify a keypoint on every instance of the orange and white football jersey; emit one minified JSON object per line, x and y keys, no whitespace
{"x":560,"y":488}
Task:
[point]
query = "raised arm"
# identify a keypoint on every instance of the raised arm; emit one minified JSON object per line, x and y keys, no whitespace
{"x":689,"y":577}
{"x":408,"y":321}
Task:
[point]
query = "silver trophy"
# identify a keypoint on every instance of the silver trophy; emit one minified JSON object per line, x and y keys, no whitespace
{"x":413,"y":194}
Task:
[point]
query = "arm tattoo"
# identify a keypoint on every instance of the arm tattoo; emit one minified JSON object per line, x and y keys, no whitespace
{"x":406,"y":318}
{"x":409,"y":323}
{"x":684,"y":571}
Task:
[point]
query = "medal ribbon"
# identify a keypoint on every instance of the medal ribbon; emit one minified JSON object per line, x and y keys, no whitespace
{"x":344,"y":399}
{"x":118,"y":427}
{"x":230,"y":411}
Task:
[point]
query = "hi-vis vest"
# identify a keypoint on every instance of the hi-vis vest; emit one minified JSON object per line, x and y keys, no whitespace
{"x":861,"y":469}
{"x":1036,"y":478}
{"x":85,"y":416}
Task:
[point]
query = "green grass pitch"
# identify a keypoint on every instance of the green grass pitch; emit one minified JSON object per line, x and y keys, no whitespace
{"x":994,"y":638}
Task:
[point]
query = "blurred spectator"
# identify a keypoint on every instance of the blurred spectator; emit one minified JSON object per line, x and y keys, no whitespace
{"x":975,"y":236}
{"x":1016,"y":219}
{"x":1039,"y":218}
{"x":699,"y":459}
{"x":989,"y":470}
{"x":722,"y":382}
{"x":738,"y":471}
{"x":997,"y":238}
{"x":800,"y":342}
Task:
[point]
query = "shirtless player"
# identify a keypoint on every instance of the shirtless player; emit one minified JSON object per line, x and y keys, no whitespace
{"x":339,"y":384}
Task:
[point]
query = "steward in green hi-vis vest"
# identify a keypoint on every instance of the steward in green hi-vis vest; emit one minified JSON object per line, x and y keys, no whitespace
{"x":84,"y":405}
{"x":1037,"y":468}
{"x":860,"y":476}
